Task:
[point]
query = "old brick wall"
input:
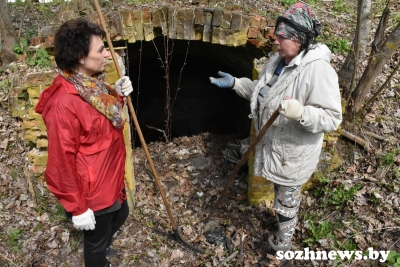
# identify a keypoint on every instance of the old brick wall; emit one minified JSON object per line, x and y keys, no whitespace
{"x":223,"y":24}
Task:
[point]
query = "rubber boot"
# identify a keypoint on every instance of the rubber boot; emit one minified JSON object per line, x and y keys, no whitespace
{"x":282,"y":239}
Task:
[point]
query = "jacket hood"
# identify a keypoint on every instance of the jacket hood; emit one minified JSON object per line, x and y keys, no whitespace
{"x":44,"y":97}
{"x":315,"y":52}
{"x":48,"y":92}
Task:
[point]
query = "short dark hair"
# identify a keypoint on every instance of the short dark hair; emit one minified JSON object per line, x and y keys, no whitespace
{"x":72,"y":42}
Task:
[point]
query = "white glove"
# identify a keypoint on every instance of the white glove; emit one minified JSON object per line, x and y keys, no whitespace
{"x":85,"y":221}
{"x":124,"y":86}
{"x":291,"y":109}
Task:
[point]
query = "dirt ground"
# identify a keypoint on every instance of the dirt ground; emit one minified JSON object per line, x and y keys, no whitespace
{"x":193,"y":174}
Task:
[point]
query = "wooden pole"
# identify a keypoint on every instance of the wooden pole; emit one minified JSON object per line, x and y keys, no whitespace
{"x":135,"y":121}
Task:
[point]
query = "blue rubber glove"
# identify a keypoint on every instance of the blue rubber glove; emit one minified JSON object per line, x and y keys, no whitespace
{"x":227,"y":80}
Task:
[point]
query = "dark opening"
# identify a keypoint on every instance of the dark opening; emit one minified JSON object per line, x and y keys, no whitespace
{"x":198,"y":105}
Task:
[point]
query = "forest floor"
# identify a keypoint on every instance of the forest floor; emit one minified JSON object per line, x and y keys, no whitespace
{"x":355,"y":207}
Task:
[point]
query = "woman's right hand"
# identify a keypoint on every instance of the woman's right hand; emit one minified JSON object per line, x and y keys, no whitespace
{"x":227,"y":80}
{"x":85,"y":221}
{"x":291,"y":108}
{"x":124,"y":86}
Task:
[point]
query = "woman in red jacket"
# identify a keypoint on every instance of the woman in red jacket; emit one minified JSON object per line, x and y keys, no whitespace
{"x":86,"y":151}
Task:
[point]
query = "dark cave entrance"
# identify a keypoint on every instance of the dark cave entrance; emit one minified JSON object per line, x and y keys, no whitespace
{"x":198,"y":105}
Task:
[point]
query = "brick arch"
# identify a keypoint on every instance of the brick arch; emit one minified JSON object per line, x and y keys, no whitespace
{"x":213,"y":25}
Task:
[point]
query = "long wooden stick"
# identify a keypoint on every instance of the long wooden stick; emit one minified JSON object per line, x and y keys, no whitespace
{"x":242,"y":160}
{"x":135,"y":121}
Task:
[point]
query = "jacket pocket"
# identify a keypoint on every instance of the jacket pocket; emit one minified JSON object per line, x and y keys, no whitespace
{"x":286,"y":159}
{"x":88,"y":182}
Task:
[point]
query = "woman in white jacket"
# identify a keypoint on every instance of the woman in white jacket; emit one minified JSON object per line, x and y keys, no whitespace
{"x":300,"y":82}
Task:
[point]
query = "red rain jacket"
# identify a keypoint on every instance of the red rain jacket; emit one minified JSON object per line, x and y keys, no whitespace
{"x":86,"y":153}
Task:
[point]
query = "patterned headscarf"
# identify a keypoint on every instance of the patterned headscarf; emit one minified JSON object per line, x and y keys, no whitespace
{"x":298,"y":23}
{"x":99,"y":95}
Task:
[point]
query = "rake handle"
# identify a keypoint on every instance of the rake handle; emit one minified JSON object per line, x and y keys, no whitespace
{"x":135,"y":121}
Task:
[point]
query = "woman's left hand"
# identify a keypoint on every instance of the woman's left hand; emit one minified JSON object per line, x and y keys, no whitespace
{"x":124,"y":86}
{"x":291,"y":108}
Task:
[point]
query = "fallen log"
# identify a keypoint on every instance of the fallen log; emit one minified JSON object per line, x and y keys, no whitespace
{"x":356,"y":139}
{"x":376,"y":136}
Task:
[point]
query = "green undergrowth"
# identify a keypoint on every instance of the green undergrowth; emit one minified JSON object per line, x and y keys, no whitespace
{"x":322,"y":219}
{"x":331,"y":222}
{"x":39,"y":57}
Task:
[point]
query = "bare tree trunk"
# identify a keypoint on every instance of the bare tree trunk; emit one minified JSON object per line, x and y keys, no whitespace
{"x":8,"y":35}
{"x":375,"y":66}
{"x":383,"y":86}
{"x":360,"y":45}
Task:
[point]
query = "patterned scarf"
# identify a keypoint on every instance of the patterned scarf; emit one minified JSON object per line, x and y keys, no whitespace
{"x":99,"y":95}
{"x":301,"y":14}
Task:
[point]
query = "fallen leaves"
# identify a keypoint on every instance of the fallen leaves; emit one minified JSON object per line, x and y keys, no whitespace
{"x":193,"y":174}
{"x":4,"y":143}
{"x":176,"y":254}
{"x":361,"y":242}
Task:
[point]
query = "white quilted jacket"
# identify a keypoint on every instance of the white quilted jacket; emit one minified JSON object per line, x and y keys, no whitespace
{"x":289,"y":151}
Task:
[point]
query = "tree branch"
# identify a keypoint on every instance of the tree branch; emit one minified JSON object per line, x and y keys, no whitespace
{"x":229,"y":258}
{"x":372,"y":99}
{"x":357,"y":47}
{"x":154,"y":128}
{"x":356,"y":139}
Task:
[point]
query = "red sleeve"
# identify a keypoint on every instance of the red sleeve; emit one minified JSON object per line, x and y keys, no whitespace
{"x":61,"y":174}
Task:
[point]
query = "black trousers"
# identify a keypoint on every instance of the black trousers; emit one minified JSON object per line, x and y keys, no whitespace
{"x":96,"y":241}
